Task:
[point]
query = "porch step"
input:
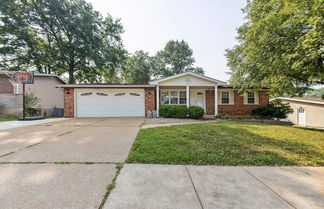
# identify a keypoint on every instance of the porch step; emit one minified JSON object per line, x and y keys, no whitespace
{"x":211,"y":117}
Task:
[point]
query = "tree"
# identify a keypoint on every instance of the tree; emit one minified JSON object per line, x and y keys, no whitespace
{"x":280,"y":47}
{"x":276,"y":109}
{"x":79,"y":41}
{"x":21,"y":48}
{"x":315,"y":93}
{"x":176,"y":57}
{"x":138,"y":68}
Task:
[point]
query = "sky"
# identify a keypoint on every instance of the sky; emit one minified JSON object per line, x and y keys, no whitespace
{"x":209,"y":26}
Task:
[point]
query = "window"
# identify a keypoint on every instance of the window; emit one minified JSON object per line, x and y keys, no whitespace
{"x":250,"y":98}
{"x":102,"y":94}
{"x":120,"y":94}
{"x":174,"y":97}
{"x":183,"y":97}
{"x":165,"y":97}
{"x":225,"y":97}
{"x":86,"y":94}
{"x":300,"y":110}
{"x":134,"y":94}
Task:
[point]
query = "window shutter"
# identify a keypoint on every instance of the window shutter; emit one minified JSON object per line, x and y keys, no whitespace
{"x":219,"y":95}
{"x":245,"y":98}
{"x":231,"y":97}
{"x":256,"y":97}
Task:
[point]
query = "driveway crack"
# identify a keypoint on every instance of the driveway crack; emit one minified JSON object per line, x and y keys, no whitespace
{"x":268,"y":187}
{"x":193,"y":185}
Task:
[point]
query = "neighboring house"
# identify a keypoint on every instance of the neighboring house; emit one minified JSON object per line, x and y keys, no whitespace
{"x":104,"y":100}
{"x":307,"y":111}
{"x":44,"y":88}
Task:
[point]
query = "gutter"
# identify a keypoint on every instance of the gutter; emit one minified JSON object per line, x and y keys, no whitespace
{"x":297,"y":100}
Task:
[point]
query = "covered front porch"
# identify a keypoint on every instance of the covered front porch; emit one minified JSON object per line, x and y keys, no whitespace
{"x":189,"y":96}
{"x":188,"y":89}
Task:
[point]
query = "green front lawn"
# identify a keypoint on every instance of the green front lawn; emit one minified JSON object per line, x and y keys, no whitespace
{"x":229,"y":143}
{"x":8,"y":117}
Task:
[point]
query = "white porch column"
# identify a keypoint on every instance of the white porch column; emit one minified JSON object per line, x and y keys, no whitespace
{"x":216,"y":100}
{"x":157,"y":100}
{"x":187,"y":95}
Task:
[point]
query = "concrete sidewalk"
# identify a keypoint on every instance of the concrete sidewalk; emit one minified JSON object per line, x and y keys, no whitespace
{"x":17,"y":124}
{"x":207,"y":187}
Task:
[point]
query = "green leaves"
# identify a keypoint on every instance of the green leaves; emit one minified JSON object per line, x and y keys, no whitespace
{"x":280,"y":47}
{"x":61,"y":36}
{"x":138,"y":68}
{"x":176,"y":57}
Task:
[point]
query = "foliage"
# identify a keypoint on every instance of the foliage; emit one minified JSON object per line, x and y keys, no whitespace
{"x":276,"y":109}
{"x":167,"y":111}
{"x":30,"y":112}
{"x":8,"y":117}
{"x":138,"y":68}
{"x":230,"y":143}
{"x":66,"y":36}
{"x":318,"y":93}
{"x":30,"y":103}
{"x":280,"y":47}
{"x":181,"y":111}
{"x":196,"y":112}
{"x":176,"y":57}
{"x":173,"y":111}
{"x":30,"y":100}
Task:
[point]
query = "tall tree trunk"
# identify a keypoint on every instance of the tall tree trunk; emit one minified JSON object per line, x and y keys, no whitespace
{"x":71,"y":75}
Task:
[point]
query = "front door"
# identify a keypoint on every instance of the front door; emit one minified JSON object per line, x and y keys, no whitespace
{"x":200,"y":99}
{"x":301,"y":116}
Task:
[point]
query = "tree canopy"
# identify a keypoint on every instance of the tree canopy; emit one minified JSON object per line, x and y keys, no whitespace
{"x":176,"y":57}
{"x":66,"y":36}
{"x":280,"y":46}
{"x":138,"y":68}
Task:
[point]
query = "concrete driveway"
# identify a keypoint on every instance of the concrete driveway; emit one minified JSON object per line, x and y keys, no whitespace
{"x":74,"y":140}
{"x":63,"y":164}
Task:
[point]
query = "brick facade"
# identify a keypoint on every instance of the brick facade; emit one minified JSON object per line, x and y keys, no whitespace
{"x":241,"y":109}
{"x":237,"y":109}
{"x":210,"y":102}
{"x":5,"y":85}
{"x":69,"y":102}
{"x":149,"y":99}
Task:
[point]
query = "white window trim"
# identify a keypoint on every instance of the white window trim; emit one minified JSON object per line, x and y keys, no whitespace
{"x":256,"y":98}
{"x":221,"y":99}
{"x":230,"y":95}
{"x":247,"y":98}
{"x":178,"y":96}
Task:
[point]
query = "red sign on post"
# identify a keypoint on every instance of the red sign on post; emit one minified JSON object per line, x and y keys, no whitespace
{"x":23,"y":77}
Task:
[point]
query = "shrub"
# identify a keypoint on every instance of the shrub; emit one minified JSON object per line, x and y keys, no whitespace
{"x":30,"y":112}
{"x":181,"y":111}
{"x":172,"y":111}
{"x":167,"y":111}
{"x":276,"y":109}
{"x":31,"y":100}
{"x":196,"y":112}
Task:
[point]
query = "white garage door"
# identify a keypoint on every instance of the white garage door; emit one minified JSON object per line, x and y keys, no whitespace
{"x":110,"y":103}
